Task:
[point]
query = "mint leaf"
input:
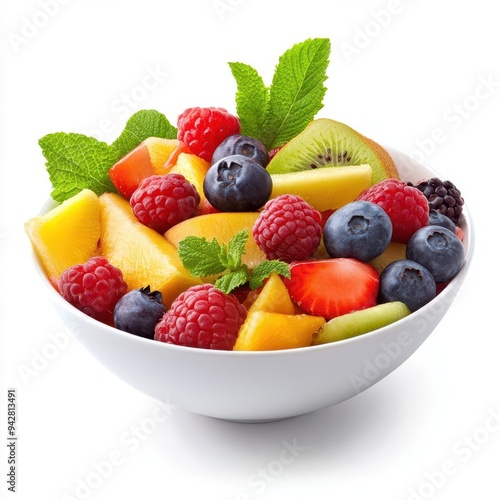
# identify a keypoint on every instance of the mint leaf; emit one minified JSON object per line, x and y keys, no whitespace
{"x":207,"y":258}
{"x":201,"y":257}
{"x":297,"y":90}
{"x":141,"y":125}
{"x":233,"y":279}
{"x":252,"y":97}
{"x":265,"y":269}
{"x":75,"y":162}
{"x":236,"y":248}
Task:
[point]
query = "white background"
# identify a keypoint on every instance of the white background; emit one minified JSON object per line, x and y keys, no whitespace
{"x":421,"y":67}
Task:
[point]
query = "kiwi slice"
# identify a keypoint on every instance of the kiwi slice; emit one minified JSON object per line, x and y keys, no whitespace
{"x":359,"y":322}
{"x":328,"y":143}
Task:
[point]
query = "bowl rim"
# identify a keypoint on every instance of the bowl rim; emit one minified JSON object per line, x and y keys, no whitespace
{"x":452,"y":288}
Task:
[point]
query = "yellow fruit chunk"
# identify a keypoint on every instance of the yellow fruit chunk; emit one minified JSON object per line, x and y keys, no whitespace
{"x":144,"y":256}
{"x":394,"y":251}
{"x":222,"y":227}
{"x":265,"y":331}
{"x":274,"y":297}
{"x":67,"y":235}
{"x":326,"y":188}
{"x":159,"y":150}
{"x":193,"y":168}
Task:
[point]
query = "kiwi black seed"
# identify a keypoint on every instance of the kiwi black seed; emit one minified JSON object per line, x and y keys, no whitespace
{"x":327,"y":143}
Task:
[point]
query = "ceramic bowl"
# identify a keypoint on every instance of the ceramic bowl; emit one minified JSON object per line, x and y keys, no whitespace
{"x":263,"y":386}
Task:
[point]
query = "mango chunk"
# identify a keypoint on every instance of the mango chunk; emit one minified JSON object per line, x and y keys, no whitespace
{"x":144,"y":256}
{"x":264,"y":331}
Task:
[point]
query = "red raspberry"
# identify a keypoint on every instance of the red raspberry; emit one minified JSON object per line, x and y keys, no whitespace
{"x":202,"y":316}
{"x":203,"y":129}
{"x":406,"y":206}
{"x":288,"y":229}
{"x":161,"y":201}
{"x":94,"y":287}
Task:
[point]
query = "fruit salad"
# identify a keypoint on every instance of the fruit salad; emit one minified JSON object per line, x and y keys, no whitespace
{"x":266,"y":228}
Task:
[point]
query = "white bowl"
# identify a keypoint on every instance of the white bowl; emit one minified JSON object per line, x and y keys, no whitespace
{"x":262,"y":386}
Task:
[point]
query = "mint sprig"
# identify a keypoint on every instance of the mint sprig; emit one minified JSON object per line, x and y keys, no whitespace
{"x":276,"y":114}
{"x":76,"y":161}
{"x":140,"y":126}
{"x":208,"y":258}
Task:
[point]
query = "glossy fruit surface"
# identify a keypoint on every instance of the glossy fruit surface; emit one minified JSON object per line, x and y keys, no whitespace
{"x":222,"y":226}
{"x":409,"y":282}
{"x":406,"y":206}
{"x":326,"y":188}
{"x":138,"y":312}
{"x":437,"y":249}
{"x":66,"y":235}
{"x":203,"y":317}
{"x":288,"y":229}
{"x":237,"y":184}
{"x":361,"y":230}
{"x":244,"y":145}
{"x":93,"y":287}
{"x":265,"y":331}
{"x":439,"y":219}
{"x":203,"y":129}
{"x":144,"y":256}
{"x":360,"y":322}
{"x":162,"y":201}
{"x":148,"y":158}
{"x":333,"y":287}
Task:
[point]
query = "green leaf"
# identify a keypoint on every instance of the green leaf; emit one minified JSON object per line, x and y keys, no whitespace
{"x":201,"y":257}
{"x":297,"y":91}
{"x":75,"y":162}
{"x":252,"y":97}
{"x":233,"y":279}
{"x":265,"y":269}
{"x":141,"y":125}
{"x":236,"y":248}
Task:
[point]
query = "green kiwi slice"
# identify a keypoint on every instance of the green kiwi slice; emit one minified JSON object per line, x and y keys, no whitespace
{"x":360,"y":322}
{"x":329,"y":143}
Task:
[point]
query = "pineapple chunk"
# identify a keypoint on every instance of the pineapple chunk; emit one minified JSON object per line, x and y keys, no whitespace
{"x":66,"y":235}
{"x":325,"y":188}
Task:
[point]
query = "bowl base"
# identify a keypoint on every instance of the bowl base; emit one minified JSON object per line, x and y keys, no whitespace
{"x":256,"y":421}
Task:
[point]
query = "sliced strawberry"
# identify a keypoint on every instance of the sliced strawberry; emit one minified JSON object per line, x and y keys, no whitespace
{"x":333,"y":287}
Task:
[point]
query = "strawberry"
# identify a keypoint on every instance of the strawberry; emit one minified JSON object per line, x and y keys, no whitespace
{"x":333,"y":287}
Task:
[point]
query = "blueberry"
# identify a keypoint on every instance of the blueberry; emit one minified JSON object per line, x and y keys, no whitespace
{"x":361,"y":230}
{"x":237,"y":184}
{"x":408,"y":282}
{"x":242,"y":145}
{"x":438,"y":219}
{"x":138,"y":311}
{"x":439,"y":250}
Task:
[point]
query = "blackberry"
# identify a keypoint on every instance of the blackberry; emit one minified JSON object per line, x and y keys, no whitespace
{"x":443,"y":196}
